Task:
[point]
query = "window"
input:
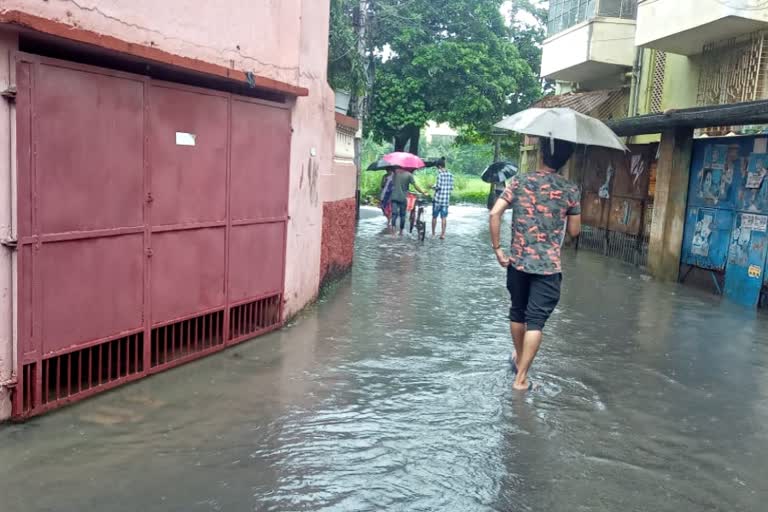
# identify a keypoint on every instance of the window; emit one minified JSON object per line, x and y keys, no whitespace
{"x":564,"y":14}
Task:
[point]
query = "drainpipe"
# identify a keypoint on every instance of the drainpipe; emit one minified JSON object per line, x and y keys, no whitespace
{"x":636,"y":76}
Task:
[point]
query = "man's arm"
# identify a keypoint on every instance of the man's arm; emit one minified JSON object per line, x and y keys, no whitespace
{"x":495,"y":225}
{"x":418,"y":189}
{"x":574,"y":225}
{"x":574,"y":212}
{"x":437,"y":186}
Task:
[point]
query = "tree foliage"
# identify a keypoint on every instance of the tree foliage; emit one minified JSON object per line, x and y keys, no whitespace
{"x":454,"y":61}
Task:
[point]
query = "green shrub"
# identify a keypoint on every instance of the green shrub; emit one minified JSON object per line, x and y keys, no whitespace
{"x":467,"y":188}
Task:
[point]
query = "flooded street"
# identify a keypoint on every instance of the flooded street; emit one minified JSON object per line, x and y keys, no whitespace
{"x":394,"y":393}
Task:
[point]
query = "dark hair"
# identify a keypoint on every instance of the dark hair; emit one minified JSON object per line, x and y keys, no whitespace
{"x":441,"y":162}
{"x":557,"y":158}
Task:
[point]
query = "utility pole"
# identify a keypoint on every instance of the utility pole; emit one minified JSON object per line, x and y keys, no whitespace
{"x":361,"y":26}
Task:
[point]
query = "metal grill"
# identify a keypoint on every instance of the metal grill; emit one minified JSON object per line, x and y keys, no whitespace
{"x":626,"y":9}
{"x":632,"y":249}
{"x":186,"y":338}
{"x":657,"y":85}
{"x":29,"y":387}
{"x":252,"y":318}
{"x":67,"y":376}
{"x":734,"y":71}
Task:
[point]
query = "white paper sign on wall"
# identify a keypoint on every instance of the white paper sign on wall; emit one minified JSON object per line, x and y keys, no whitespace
{"x":185,"y":139}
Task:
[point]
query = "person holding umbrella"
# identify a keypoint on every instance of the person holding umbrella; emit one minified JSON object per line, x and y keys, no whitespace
{"x":545,"y":205}
{"x":386,"y":194}
{"x":404,"y":164}
{"x":497,"y":175}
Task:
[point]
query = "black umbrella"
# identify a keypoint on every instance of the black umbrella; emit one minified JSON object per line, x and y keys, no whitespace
{"x":380,"y":165}
{"x":499,"y":172}
{"x":434,"y":162}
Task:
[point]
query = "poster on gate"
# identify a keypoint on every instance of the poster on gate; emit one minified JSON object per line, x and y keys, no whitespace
{"x":754,"y":222}
{"x":755,"y":193}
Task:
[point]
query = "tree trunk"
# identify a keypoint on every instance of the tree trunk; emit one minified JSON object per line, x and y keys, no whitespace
{"x":400,"y":142}
{"x":414,"y":135}
{"x":408,"y":138}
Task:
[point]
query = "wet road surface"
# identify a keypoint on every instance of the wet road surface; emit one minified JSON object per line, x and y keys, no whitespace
{"x":393,"y":393}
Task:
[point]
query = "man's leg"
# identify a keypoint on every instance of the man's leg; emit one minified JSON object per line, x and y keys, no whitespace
{"x":542,"y":301}
{"x":434,"y":219}
{"x":518,"y":333}
{"x":403,"y":215}
{"x":531,"y":344}
{"x":445,"y":222}
{"x":397,"y":211}
{"x":518,"y":285}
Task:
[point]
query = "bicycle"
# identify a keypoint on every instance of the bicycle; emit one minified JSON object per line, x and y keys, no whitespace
{"x":418,"y":213}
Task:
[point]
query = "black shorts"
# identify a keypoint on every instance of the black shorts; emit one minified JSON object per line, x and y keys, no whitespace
{"x":534,"y":297}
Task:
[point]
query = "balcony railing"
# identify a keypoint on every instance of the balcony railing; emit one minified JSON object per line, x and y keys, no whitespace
{"x":564,"y":14}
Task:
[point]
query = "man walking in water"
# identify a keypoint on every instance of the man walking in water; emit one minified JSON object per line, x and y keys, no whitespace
{"x":543,"y":204}
{"x":401,"y":183}
{"x":443,"y":190}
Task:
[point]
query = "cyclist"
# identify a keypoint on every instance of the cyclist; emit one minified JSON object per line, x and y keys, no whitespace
{"x":401,"y":184}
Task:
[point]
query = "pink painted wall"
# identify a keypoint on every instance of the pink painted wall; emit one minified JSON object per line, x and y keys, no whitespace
{"x":311,"y":157}
{"x":265,"y":30}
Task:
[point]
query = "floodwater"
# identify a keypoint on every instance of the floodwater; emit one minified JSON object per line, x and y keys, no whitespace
{"x":394,"y":393}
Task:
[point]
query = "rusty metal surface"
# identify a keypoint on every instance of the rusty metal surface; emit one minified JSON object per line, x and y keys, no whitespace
{"x":145,"y":210}
{"x":615,"y":200}
{"x":188,"y":184}
{"x":625,"y":216}
{"x":254,"y":277}
{"x":260,"y":161}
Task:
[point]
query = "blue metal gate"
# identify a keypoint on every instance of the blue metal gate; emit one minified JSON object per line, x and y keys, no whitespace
{"x":727,"y":216}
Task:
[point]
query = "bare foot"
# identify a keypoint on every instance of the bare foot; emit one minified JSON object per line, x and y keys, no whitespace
{"x":526,"y":386}
{"x":442,"y":237}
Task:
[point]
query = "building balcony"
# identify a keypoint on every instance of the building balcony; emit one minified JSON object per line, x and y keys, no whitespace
{"x":685,"y":27}
{"x":598,"y":51}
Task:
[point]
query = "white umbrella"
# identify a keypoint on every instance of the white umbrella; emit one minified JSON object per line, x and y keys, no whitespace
{"x":564,"y":124}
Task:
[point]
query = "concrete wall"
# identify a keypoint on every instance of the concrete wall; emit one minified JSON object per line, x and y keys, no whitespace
{"x":8,"y":44}
{"x":253,"y":35}
{"x":669,"y":206}
{"x":684,"y":26}
{"x":681,"y":82}
{"x":590,"y":50}
{"x":311,"y":157}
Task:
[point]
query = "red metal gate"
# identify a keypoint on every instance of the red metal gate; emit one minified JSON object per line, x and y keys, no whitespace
{"x":152,"y":222}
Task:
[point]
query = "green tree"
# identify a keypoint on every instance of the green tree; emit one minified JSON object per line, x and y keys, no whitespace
{"x":449,"y":60}
{"x":453,"y":61}
{"x":345,"y":69}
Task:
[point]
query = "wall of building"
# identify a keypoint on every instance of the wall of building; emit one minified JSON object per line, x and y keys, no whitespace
{"x":338,"y":243}
{"x":253,"y":35}
{"x":311,"y":157}
{"x":684,"y":26}
{"x":681,"y":82}
{"x":283,"y":41}
{"x":600,"y":47}
{"x":8,"y":44}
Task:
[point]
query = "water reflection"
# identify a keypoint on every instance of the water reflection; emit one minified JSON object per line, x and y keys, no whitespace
{"x":393,"y":394}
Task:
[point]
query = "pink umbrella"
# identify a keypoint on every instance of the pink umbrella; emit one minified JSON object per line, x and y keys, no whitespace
{"x":404,"y":160}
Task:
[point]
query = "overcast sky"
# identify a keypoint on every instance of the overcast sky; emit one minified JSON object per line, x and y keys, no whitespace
{"x":524,"y":17}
